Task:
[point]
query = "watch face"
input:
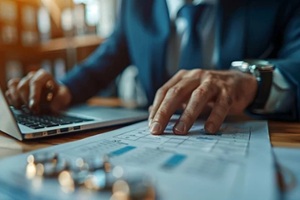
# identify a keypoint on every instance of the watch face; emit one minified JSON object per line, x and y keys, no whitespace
{"x":240,"y":65}
{"x":252,"y":65}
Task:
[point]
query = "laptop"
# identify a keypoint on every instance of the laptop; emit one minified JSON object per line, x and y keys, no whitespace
{"x":22,"y":125}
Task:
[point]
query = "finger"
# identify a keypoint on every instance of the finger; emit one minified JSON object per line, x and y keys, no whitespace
{"x":13,"y":99}
{"x":149,"y":111}
{"x":12,"y":94}
{"x":59,"y":101}
{"x":219,"y":112}
{"x":161,"y":93}
{"x":13,"y":82}
{"x":173,"y":100}
{"x":23,"y":88}
{"x":198,"y":101}
{"x":37,"y":84}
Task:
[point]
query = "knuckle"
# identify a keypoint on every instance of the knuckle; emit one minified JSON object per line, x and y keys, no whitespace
{"x":175,"y":91}
{"x":21,"y":87}
{"x":8,"y":95}
{"x":41,"y":74}
{"x":30,"y":74}
{"x":35,"y":81}
{"x":208,"y":82}
{"x":207,"y":73}
{"x":200,"y":92}
{"x":12,"y":82}
{"x":162,"y":113}
{"x":198,"y":72}
{"x":226,"y":101}
{"x":161,"y":91}
{"x":42,"y":71}
{"x":189,"y":116}
{"x":194,"y":105}
{"x":182,"y":71}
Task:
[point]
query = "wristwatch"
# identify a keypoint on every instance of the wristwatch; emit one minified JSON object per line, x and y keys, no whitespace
{"x":262,"y":70}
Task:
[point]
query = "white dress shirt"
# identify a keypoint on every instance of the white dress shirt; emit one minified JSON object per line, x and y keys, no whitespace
{"x":280,"y":90}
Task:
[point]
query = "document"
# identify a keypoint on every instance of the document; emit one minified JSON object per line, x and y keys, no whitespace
{"x":235,"y":163}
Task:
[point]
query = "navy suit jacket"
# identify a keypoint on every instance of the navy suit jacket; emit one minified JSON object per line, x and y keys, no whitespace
{"x":257,"y":29}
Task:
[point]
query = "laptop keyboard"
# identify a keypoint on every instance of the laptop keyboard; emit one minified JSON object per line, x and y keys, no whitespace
{"x":47,"y":121}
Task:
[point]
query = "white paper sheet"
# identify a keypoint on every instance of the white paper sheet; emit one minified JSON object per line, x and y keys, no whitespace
{"x":236,"y":163}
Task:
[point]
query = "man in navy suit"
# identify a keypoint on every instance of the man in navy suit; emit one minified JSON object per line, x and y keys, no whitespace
{"x":153,"y":36}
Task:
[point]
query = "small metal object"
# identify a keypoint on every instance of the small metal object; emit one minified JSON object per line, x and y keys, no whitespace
{"x":42,"y":158}
{"x":53,"y":169}
{"x":97,"y":180}
{"x":107,"y":165}
{"x":45,"y":164}
{"x":68,"y":179}
{"x":96,"y":174}
{"x":134,"y":187}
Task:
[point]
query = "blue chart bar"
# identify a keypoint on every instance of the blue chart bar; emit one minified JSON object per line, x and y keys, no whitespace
{"x":121,"y":151}
{"x":174,"y":161}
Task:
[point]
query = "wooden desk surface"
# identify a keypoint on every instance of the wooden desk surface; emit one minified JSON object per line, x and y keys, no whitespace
{"x":282,"y":134}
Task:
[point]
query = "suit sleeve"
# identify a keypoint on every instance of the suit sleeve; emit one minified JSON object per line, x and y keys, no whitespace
{"x":103,"y":66}
{"x":288,"y":60}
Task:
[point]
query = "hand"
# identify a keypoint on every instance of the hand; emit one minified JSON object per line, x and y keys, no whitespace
{"x":226,"y":92}
{"x":39,"y":92}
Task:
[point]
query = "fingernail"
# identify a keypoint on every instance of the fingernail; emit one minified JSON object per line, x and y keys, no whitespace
{"x":155,"y":128}
{"x":210,"y":127}
{"x":180,"y":128}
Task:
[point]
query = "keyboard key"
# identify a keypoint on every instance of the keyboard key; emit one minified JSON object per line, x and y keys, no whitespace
{"x":41,"y":121}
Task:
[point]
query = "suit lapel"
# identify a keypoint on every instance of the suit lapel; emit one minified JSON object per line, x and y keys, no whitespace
{"x":230,"y":33}
{"x":157,"y":33}
{"x":161,"y":20}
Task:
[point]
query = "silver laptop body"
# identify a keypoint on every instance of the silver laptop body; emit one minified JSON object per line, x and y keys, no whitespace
{"x":89,"y":117}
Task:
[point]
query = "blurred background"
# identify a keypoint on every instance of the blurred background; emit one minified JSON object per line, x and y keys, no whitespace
{"x":51,"y":34}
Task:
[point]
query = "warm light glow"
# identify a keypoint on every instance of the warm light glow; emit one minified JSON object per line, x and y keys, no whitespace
{"x":121,"y":186}
{"x":66,"y":181}
{"x":119,"y":196}
{"x":56,"y":7}
{"x":53,"y":10}
{"x":40,"y":169}
{"x":30,"y":170}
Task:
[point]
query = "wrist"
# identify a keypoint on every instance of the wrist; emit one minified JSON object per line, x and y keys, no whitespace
{"x":262,"y":71}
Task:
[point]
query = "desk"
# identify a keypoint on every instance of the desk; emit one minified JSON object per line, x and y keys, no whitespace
{"x":282,"y":134}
